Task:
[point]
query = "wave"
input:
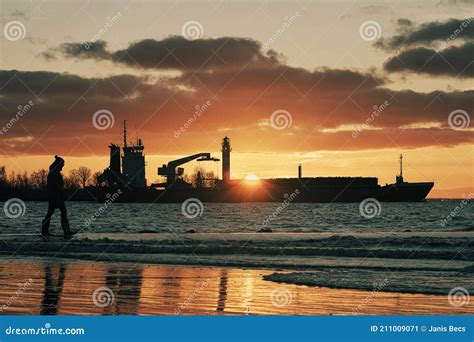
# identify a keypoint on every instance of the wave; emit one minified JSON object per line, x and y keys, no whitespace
{"x":413,"y":249}
{"x":420,"y":281}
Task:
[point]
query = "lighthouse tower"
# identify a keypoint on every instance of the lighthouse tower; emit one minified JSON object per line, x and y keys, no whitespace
{"x":226,"y":159}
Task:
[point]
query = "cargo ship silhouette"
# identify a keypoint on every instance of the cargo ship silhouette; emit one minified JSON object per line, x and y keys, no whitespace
{"x":126,"y":173}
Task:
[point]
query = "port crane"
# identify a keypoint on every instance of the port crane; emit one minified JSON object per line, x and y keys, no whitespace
{"x":172,"y":170}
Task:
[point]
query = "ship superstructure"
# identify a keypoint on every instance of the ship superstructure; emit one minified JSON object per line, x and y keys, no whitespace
{"x":126,"y":169}
{"x":133,"y":162}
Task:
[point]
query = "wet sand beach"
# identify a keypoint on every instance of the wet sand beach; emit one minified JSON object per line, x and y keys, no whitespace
{"x":429,"y":263}
{"x":70,"y":287}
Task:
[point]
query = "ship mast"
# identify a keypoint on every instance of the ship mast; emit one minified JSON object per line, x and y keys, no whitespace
{"x":401,"y":165}
{"x":124,"y":133}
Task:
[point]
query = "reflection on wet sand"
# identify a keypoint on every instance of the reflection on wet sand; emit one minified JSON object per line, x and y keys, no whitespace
{"x":222,"y":291}
{"x":66,"y":288}
{"x":53,"y":286}
{"x":126,"y":285}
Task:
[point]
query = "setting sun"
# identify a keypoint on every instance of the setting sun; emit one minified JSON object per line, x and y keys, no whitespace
{"x":251,"y":177}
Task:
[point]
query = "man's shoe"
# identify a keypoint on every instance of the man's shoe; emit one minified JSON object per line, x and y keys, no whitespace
{"x":67,"y":230}
{"x":69,"y":235}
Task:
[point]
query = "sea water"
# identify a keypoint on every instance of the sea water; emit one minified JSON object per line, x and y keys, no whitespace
{"x":432,"y":215}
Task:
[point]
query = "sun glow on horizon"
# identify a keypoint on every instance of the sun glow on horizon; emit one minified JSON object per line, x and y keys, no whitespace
{"x":252,"y":177}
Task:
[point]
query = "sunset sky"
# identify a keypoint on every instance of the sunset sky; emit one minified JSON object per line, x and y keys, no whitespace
{"x":342,"y":87}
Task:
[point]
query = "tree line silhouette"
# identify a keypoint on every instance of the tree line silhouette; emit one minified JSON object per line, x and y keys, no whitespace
{"x":79,"y":178}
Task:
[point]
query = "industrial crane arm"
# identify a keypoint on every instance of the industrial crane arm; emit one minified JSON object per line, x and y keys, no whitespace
{"x":175,"y":163}
{"x":169,"y":170}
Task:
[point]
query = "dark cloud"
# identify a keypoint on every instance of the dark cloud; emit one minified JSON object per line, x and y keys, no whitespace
{"x":404,"y":22}
{"x":95,"y":50}
{"x":455,"y":2}
{"x":428,"y":33}
{"x":19,"y":14}
{"x":54,"y":84}
{"x":282,"y":81}
{"x":176,"y":52}
{"x":242,"y":102}
{"x":454,"y":61}
{"x":48,"y":55}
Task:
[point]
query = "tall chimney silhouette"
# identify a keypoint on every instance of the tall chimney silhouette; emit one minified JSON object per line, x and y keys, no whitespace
{"x":226,"y":159}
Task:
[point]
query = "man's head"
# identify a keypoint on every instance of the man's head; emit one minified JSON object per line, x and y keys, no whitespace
{"x":57,"y":164}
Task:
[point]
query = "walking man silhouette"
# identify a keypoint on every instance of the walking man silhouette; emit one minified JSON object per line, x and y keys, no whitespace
{"x":55,"y":185}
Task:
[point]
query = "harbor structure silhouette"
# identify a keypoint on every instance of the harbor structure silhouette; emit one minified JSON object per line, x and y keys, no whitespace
{"x":127,"y":172}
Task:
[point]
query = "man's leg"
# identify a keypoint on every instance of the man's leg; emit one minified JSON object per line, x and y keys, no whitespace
{"x":47,"y":220}
{"x":65,"y":221}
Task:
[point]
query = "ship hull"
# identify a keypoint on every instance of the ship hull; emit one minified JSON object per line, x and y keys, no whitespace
{"x":405,"y":192}
{"x":311,"y":190}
